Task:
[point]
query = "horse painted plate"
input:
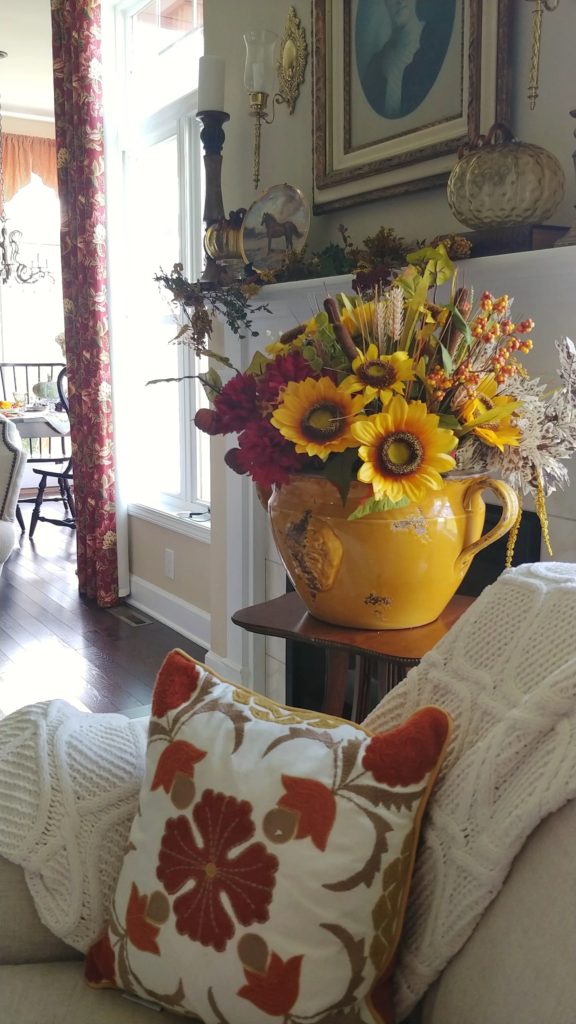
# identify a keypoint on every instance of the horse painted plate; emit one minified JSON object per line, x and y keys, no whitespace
{"x":275,"y":223}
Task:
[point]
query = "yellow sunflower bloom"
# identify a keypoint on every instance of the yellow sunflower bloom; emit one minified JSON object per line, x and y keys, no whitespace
{"x":317,"y":416}
{"x":500,"y":431}
{"x":377,"y":375}
{"x":404,"y":451}
{"x":358,"y":319}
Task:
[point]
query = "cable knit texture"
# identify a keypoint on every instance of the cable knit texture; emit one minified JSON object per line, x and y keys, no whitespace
{"x":69,"y":785}
{"x":506,"y":672}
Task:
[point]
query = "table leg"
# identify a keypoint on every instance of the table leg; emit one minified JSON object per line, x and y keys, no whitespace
{"x":391,"y":673}
{"x":362,"y":688}
{"x":335,"y":681}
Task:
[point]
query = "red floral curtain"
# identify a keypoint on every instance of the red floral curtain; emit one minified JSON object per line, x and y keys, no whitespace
{"x":80,"y":157}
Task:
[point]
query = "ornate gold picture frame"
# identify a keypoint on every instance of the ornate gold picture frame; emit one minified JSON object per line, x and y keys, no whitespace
{"x":389,"y":115}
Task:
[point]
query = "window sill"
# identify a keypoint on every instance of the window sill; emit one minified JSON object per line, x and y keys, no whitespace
{"x":169,"y":519}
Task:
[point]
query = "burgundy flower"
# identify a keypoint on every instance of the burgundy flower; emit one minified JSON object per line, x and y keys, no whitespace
{"x":403,"y":756}
{"x":278,"y":374}
{"x":208,"y":421}
{"x":236,"y":405}
{"x":367,"y":280}
{"x":246,"y":880}
{"x":266,"y":455}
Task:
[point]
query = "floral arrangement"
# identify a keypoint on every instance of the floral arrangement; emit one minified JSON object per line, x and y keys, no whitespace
{"x":198,"y":303}
{"x":397,"y":389}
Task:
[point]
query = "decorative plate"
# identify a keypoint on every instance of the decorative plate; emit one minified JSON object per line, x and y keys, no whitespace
{"x":275,"y":223}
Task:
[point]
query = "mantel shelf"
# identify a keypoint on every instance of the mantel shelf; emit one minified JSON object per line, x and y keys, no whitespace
{"x":563,"y":256}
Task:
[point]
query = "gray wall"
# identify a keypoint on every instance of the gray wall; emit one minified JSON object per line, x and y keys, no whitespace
{"x":287,"y":144}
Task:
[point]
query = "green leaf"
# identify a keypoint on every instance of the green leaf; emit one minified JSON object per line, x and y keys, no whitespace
{"x":346,"y":302}
{"x":447,"y":361}
{"x":490,"y":416}
{"x":448,"y":421}
{"x":439,"y":267}
{"x":258,"y":364}
{"x":211,"y":382}
{"x":339,"y":470}
{"x":181,"y":332}
{"x":377,"y":505}
{"x":462,"y":325}
{"x":310,"y":354}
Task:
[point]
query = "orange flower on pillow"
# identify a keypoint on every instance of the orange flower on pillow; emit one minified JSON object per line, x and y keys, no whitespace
{"x":178,"y":759}
{"x":315,"y":806}
{"x":246,"y":880}
{"x":406,"y":754}
{"x":141,"y":932}
{"x":276,"y":989}
{"x":177,"y":680}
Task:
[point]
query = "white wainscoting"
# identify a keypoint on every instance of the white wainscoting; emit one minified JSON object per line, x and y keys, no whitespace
{"x":192,"y":622}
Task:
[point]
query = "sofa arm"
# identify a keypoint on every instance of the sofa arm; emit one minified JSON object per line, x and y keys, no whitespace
{"x":23,"y":937}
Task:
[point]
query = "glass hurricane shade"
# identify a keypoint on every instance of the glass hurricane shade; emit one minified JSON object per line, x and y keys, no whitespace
{"x":259,"y":71}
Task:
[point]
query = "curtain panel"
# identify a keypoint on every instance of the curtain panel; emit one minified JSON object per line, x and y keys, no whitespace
{"x":80,"y":158}
{"x":23,"y":155}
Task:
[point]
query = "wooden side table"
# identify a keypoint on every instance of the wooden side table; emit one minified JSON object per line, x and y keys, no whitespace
{"x":400,"y":649}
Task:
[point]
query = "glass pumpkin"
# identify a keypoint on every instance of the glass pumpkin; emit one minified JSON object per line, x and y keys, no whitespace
{"x":499,"y":181}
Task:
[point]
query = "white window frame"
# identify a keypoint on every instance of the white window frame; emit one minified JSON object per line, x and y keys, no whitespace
{"x":176,"y":119}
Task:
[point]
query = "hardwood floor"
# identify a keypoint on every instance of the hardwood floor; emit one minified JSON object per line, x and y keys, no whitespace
{"x":55,"y":644}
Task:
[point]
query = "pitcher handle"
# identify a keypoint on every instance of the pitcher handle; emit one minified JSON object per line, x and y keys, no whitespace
{"x":510,"y":508}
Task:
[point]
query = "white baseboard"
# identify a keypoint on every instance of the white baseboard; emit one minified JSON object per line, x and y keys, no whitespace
{"x":185,"y":618}
{"x":231,"y":671}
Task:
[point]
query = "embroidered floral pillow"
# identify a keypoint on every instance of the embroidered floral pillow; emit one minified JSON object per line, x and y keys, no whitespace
{"x":269,"y":863}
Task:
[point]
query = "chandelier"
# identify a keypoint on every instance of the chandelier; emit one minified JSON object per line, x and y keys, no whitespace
{"x":12,"y":268}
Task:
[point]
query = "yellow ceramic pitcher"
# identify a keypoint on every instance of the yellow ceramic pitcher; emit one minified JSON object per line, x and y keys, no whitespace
{"x":388,"y":570}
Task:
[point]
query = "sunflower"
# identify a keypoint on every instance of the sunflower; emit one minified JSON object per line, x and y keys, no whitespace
{"x":404,"y":450}
{"x":377,"y":375}
{"x":358,"y":319}
{"x":316,"y":416}
{"x":501,"y":430}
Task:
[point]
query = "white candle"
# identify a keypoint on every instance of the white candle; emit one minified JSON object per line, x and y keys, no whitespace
{"x":211,"y":83}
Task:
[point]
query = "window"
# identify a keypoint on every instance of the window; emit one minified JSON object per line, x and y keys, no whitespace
{"x":31,"y":315}
{"x":156,"y":179}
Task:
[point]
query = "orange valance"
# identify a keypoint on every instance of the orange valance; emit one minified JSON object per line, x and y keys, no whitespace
{"x":24,"y":154}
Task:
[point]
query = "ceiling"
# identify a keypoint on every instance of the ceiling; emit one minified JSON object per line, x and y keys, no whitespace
{"x":26,"y":74}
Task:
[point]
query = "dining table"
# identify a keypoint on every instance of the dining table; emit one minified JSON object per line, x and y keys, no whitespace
{"x":38,"y":422}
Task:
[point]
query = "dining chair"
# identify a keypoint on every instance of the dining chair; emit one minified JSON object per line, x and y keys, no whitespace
{"x":60,"y":475}
{"x":12,"y":465}
{"x":40,"y":380}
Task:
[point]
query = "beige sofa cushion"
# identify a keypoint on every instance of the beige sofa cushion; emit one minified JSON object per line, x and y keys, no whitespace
{"x":23,"y":937}
{"x":518,"y":965}
{"x":57,"y":994}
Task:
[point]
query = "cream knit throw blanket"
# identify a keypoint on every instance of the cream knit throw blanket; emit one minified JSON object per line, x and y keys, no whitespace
{"x":69,"y":785}
{"x":506,"y":672}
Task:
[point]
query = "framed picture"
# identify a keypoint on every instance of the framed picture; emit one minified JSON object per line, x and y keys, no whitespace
{"x":399,"y":86}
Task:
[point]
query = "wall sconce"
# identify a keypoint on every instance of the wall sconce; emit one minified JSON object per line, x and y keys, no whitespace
{"x":260,"y":75}
{"x":539,"y":7}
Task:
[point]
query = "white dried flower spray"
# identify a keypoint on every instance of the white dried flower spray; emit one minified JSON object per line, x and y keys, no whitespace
{"x":395,"y":313}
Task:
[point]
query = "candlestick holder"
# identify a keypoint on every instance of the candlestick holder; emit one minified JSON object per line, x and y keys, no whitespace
{"x":219,"y":234}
